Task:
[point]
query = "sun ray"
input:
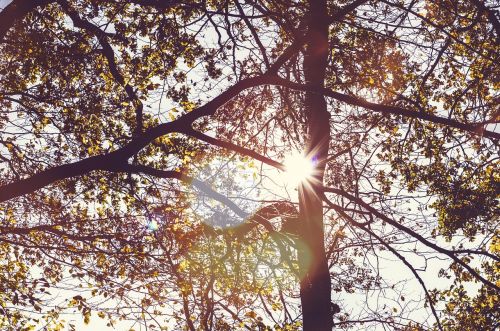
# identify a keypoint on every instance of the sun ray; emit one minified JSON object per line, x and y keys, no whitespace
{"x":299,"y":169}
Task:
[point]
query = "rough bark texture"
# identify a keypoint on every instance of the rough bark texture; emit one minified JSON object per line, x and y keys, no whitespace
{"x":315,"y":287}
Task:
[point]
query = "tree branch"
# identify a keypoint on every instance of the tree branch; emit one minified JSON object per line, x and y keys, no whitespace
{"x":16,"y":11}
{"x":491,"y":14}
{"x":414,"y":272}
{"x":450,"y":254}
{"x":474,"y":128}
{"x":262,"y":216}
{"x":233,"y":147}
{"x":363,"y":226}
{"x":116,"y":158}
{"x":109,"y":53}
{"x":202,"y":186}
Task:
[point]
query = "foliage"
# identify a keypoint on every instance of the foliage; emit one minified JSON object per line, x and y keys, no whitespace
{"x":141,"y":141}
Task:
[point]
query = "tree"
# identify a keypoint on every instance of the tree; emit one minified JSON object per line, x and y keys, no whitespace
{"x":137,"y":136}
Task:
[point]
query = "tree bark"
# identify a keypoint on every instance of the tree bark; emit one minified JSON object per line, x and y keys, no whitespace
{"x":315,"y":286}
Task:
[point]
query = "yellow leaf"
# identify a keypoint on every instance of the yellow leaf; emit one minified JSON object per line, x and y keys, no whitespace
{"x":251,"y":314}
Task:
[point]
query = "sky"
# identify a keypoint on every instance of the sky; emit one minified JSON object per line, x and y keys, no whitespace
{"x":4,"y":3}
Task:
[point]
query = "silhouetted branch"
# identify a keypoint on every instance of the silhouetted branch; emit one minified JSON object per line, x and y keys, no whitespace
{"x":450,"y":254}
{"x":474,"y":128}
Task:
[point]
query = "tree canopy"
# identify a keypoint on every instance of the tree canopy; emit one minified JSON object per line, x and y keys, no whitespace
{"x":143,"y":174}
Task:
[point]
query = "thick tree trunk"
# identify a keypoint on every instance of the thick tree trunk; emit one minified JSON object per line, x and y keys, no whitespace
{"x":315,"y":287}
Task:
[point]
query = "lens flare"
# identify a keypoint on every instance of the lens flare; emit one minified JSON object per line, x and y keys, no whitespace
{"x":152,"y":226}
{"x":298,"y":169}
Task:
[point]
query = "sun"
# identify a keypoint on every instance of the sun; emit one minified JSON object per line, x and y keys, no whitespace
{"x":298,"y":169}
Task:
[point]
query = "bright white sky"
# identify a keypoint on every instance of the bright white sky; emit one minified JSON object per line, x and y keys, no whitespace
{"x":4,"y":3}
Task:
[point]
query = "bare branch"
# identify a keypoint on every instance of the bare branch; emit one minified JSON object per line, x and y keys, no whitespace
{"x":233,"y":147}
{"x":450,"y":254}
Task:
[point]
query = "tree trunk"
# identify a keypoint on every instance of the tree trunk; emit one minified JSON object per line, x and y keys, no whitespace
{"x":315,"y":286}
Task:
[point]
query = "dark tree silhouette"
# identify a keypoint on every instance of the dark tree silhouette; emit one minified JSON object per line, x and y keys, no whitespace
{"x":141,"y":144}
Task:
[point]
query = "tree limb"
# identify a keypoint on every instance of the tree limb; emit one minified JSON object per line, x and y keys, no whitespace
{"x":109,"y":53}
{"x":111,"y":160}
{"x":474,"y":128}
{"x":233,"y":147}
{"x":16,"y":11}
{"x":450,"y":254}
